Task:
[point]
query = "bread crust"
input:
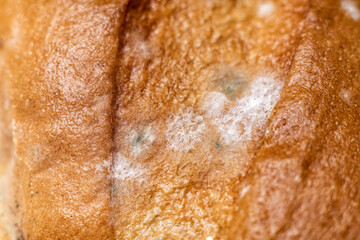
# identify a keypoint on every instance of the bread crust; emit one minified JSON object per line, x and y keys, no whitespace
{"x":61,"y":61}
{"x":305,"y":181}
{"x":173,"y":57}
{"x":169,"y":119}
{"x":7,"y":229}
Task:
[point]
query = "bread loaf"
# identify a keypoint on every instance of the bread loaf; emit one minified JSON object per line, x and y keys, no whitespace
{"x":181,"y":119}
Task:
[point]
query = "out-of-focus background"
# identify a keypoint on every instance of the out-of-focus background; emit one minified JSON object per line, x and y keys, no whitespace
{"x":6,"y":225}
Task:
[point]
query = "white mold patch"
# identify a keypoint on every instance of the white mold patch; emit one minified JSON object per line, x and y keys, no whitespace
{"x":104,"y":166}
{"x":250,"y":113}
{"x":345,"y":95}
{"x":265,"y":9}
{"x":350,"y":7}
{"x":139,"y":46}
{"x":140,"y":140}
{"x":35,"y":157}
{"x":126,"y":170}
{"x":184,"y":130}
{"x":214,"y":103}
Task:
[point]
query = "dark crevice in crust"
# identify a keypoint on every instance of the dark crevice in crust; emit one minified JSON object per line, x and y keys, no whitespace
{"x":114,"y":107}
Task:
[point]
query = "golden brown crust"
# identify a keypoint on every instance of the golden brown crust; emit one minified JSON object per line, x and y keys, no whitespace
{"x":306,"y":176}
{"x":7,"y":230}
{"x":5,"y":131}
{"x":61,"y":62}
{"x":172,"y":56}
{"x":152,"y":120}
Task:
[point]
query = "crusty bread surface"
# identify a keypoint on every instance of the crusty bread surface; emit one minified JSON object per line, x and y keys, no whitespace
{"x":180,"y":119}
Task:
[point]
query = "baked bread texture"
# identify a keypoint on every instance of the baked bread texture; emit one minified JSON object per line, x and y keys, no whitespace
{"x":180,"y":119}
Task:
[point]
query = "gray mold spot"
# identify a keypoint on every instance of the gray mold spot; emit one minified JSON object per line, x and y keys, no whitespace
{"x":232,"y":85}
{"x":218,"y":145}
